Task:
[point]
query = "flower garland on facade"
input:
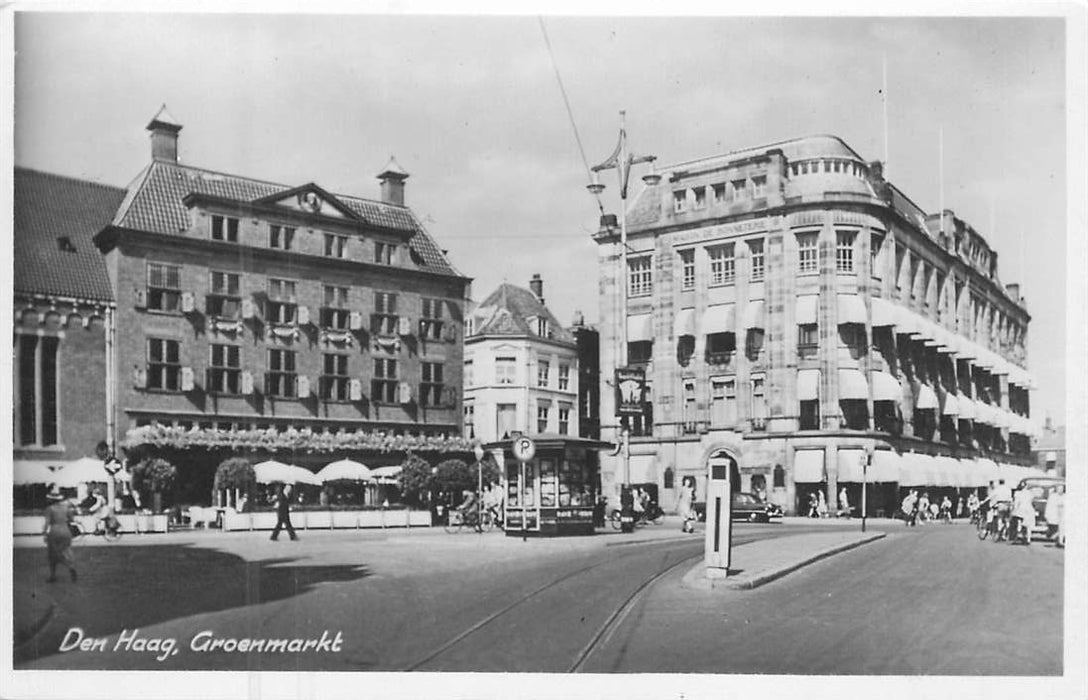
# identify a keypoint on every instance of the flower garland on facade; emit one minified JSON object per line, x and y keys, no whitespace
{"x":305,"y":440}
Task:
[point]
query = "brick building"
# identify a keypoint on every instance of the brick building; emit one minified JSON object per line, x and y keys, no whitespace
{"x":62,"y":303}
{"x":797,"y":314}
{"x":248,"y":309}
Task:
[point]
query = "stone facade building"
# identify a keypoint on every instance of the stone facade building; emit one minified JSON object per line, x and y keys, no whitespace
{"x":521,"y":368}
{"x":797,"y":314}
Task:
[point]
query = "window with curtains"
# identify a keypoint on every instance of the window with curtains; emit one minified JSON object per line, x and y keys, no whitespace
{"x":506,"y":415}
{"x":335,"y":313}
{"x":163,"y":287}
{"x":282,"y":304}
{"x":224,"y":294}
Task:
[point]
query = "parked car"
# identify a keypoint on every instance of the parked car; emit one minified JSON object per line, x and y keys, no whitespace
{"x":746,"y":506}
{"x":1042,"y":487}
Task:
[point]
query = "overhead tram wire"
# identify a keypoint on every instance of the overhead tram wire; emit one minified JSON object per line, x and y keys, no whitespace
{"x":570,"y":113}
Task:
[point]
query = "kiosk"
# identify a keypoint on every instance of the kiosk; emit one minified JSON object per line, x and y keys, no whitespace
{"x":554,"y":491}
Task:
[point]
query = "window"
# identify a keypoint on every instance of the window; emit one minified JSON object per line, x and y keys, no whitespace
{"x":163,"y":364}
{"x":723,"y":401}
{"x":639,"y":280}
{"x":163,"y":287}
{"x":506,"y":419}
{"x":224,"y":228}
{"x":384,"y":319}
{"x":755,"y":256}
{"x":722,"y":264}
{"x":806,"y":252}
{"x":700,"y":197}
{"x":431,"y":385}
{"x":466,"y":375}
{"x":469,"y":413}
{"x":737,"y":188}
{"x":543,"y":329}
{"x":542,"y":410}
{"x":281,"y":237}
{"x":810,"y":414}
{"x":224,"y":299}
{"x":383,"y":387}
{"x":844,"y":251}
{"x":759,"y":401}
{"x":334,"y":377}
{"x":914,"y":278}
{"x":225,"y":370}
{"x":808,"y":340}
{"x":855,"y":413}
{"x":720,"y":347}
{"x":875,"y":242}
{"x":852,"y":336}
{"x":719,"y":193}
{"x":334,"y":310}
{"x":505,"y":370}
{"x":687,"y":267}
{"x":430,"y":322}
{"x":279,"y":380}
{"x":690,"y":425}
{"x":753,"y":343}
{"x":334,"y":245}
{"x":679,"y":200}
{"x":640,"y":351}
{"x":564,"y":419}
{"x":38,"y":407}
{"x":564,"y":377}
{"x":281,"y":306}
{"x":542,"y":373}
{"x":685,"y":349}
{"x":384,"y":253}
{"x":759,"y":186}
{"x":900,"y":253}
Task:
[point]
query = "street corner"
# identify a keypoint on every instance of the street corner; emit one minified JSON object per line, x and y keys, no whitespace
{"x":757,"y":563}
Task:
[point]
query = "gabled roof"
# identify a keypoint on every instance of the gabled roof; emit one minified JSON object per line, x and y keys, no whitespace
{"x":155,"y":203}
{"x":312,"y":197}
{"x":507,"y":310}
{"x":56,"y":218}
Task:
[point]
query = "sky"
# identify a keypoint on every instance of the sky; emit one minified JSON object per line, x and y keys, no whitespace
{"x":471,"y":107}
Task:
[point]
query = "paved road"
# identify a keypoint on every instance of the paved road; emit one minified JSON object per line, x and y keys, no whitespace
{"x":431,"y":601}
{"x":931,"y":600}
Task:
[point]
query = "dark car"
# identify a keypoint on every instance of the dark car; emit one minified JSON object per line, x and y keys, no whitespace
{"x":747,"y":506}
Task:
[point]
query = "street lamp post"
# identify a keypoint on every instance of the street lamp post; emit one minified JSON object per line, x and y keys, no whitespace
{"x":621,"y":161}
{"x":478,"y":450}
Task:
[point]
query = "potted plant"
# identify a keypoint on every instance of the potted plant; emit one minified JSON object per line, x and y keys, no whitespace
{"x":157,"y":476}
{"x":236,"y":474}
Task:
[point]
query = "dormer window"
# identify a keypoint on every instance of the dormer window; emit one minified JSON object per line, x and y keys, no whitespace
{"x":542,"y":327}
{"x":64,"y":243}
{"x":679,"y":200}
{"x":384,"y":253}
{"x":224,"y":228}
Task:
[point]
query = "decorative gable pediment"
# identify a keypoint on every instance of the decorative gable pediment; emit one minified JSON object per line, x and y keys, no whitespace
{"x":310,"y":199}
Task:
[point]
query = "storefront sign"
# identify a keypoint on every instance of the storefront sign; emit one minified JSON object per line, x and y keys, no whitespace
{"x":630,"y":388}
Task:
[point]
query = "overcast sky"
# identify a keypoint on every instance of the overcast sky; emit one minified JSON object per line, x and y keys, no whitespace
{"x":471,"y":108}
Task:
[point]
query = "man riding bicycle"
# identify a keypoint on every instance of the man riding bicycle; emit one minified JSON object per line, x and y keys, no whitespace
{"x":469,"y":509}
{"x":1000,"y":507}
{"x":102,"y":512}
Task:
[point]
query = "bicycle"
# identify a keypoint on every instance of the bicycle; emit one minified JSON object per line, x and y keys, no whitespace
{"x":108,"y":533}
{"x":654,"y":514}
{"x":479,"y":521}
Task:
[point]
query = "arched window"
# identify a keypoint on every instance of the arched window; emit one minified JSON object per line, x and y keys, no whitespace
{"x":669,"y":478}
{"x":779,"y":476}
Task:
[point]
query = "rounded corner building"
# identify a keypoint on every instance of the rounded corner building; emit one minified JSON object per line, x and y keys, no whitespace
{"x":798,"y":315}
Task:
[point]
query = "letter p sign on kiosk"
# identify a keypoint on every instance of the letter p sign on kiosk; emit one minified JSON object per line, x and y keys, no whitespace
{"x":719,"y":523}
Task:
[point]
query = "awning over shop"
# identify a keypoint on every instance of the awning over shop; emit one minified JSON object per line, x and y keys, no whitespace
{"x":851,"y":309}
{"x":852,"y":385}
{"x":886,"y":387}
{"x":987,"y":470}
{"x":966,"y":349}
{"x":640,"y":328}
{"x":947,"y":340}
{"x":806,"y":309}
{"x":925,"y":398}
{"x":967,"y":408}
{"x":885,"y":467}
{"x":720,"y":318}
{"x":808,"y":384}
{"x":952,"y":472}
{"x":808,"y":466}
{"x":950,"y":406}
{"x":906,"y":322}
{"x":984,"y":413}
{"x":753,"y":314}
{"x":684,"y":324}
{"x":917,"y":470}
{"x":28,"y":471}
{"x":883,"y":312}
{"x":850,"y":465}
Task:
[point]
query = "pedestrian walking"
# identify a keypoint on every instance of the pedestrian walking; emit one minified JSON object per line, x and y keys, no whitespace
{"x":844,"y":504}
{"x":813,"y":505}
{"x":821,"y":505}
{"x":283,"y":513}
{"x":910,"y":508}
{"x":923,"y":506}
{"x":686,"y":504}
{"x":59,"y":515}
{"x":1055,"y":504}
{"x":959,"y":507}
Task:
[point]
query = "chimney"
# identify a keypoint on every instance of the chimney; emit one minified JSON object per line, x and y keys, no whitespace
{"x":579,"y":318}
{"x":164,"y":136}
{"x":536,"y":285}
{"x":392,"y":179}
{"x":1013,"y":290}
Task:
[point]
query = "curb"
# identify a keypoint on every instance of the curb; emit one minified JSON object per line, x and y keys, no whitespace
{"x":696,"y":578}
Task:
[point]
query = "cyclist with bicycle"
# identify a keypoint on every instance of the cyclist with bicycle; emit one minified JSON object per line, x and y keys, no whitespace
{"x":101,"y":511}
{"x":999,"y":501}
{"x":469,"y":509}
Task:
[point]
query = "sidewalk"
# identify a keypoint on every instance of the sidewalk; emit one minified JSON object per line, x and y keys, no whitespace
{"x":756,"y":563}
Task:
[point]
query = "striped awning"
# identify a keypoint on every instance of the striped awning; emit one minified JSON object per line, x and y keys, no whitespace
{"x":753,"y":314}
{"x":883,"y":312}
{"x":808,"y":466}
{"x":885,"y":467}
{"x":684,"y":323}
{"x":640,"y":328}
{"x":852,"y":384}
{"x":886,"y":387}
{"x":850,"y":465}
{"x":950,"y":407}
{"x":806,"y":309}
{"x":808,"y":384}
{"x":851,"y":309}
{"x":925,"y":398}
{"x":720,"y":318}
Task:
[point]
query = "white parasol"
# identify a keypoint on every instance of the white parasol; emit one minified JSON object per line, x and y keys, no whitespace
{"x":345,"y":470}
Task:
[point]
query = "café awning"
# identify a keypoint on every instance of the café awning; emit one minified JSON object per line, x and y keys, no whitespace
{"x":925,"y":398}
{"x":806,"y":309}
{"x":967,"y":407}
{"x":852,"y":385}
{"x":720,"y":318}
{"x":808,"y":384}
{"x":885,"y":467}
{"x":886,"y":387}
{"x":883,"y":312}
{"x":640,"y":328}
{"x":808,"y":466}
{"x":918,"y":470}
{"x":684,"y":323}
{"x":850,"y":465}
{"x":851,"y":309}
{"x":950,"y":407}
{"x":753,"y":314}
